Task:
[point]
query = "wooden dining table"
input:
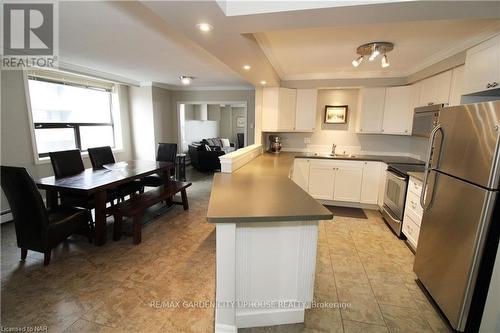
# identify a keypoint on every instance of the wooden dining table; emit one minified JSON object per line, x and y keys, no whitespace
{"x":94,"y":184}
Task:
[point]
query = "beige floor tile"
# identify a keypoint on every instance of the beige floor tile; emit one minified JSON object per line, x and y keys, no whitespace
{"x":392,"y":294}
{"x":363,"y":306}
{"x":110,"y":288}
{"x":327,"y":320}
{"x":404,"y":320}
{"x":357,"y":327}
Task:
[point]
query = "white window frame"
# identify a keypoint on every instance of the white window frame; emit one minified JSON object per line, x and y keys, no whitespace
{"x":116,"y":120}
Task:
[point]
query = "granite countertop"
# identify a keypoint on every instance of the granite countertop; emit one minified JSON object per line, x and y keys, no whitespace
{"x":261,"y":191}
{"x":417,"y":175}
{"x":379,"y":158}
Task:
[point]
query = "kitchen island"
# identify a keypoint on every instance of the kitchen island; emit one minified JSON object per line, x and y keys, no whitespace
{"x":266,"y":231}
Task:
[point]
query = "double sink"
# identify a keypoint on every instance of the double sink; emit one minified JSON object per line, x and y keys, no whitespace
{"x":332,"y":156}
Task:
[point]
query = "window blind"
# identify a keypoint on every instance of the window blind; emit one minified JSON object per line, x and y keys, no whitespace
{"x":69,"y":79}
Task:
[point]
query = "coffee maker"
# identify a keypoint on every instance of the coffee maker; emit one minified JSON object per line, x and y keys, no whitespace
{"x":274,"y":144}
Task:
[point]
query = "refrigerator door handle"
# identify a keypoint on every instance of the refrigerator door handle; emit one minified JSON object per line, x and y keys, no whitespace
{"x":432,"y":138}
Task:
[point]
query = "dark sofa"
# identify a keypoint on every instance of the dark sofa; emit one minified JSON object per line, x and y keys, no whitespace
{"x":202,"y":159}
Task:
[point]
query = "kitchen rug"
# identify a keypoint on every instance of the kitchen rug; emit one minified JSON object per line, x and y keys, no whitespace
{"x":355,"y":213}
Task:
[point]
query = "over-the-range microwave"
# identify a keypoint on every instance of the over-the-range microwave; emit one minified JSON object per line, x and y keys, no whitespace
{"x":424,"y":119}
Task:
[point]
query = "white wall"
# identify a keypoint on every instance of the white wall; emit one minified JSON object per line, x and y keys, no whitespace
{"x":218,"y":96}
{"x":344,"y":136}
{"x":143,"y":122}
{"x":15,"y":136}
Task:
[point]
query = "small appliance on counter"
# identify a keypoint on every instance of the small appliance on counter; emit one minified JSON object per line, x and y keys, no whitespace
{"x":274,"y":144}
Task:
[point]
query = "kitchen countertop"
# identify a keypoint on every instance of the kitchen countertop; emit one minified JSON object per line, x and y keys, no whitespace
{"x":379,"y":158}
{"x":417,"y":175}
{"x":261,"y":191}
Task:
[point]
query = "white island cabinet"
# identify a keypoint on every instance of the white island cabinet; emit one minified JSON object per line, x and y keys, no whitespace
{"x":266,"y":240}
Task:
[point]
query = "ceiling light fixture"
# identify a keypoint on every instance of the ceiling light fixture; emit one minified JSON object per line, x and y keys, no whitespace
{"x":372,"y":51}
{"x":385,"y":62}
{"x":263,"y":82}
{"x":205,"y":27}
{"x":186,"y":80}
{"x":357,"y":62}
{"x":247,"y":67}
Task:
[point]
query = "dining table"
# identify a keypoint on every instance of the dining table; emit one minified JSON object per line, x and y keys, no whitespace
{"x":95,"y":182}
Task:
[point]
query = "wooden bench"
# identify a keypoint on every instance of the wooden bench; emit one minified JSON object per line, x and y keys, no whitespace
{"x":137,"y":204}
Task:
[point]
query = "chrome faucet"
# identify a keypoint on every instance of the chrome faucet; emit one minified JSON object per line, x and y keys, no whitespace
{"x":333,"y":148}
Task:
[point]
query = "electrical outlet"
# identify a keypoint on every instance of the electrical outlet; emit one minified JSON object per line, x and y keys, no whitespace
{"x":307,"y":140}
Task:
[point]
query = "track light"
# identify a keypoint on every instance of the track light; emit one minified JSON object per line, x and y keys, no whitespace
{"x":385,"y":62}
{"x":358,"y":61}
{"x":374,"y":54}
{"x":372,"y":51}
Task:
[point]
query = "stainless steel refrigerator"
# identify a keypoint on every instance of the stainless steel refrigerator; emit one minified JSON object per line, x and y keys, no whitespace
{"x":453,"y":258}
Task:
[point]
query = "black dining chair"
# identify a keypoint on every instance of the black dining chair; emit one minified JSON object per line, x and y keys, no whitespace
{"x":68,"y":163}
{"x":38,"y":229}
{"x":167,"y":152}
{"x":100,"y":156}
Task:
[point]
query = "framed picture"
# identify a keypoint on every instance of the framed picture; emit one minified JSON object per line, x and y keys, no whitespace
{"x":240,"y":121}
{"x":336,"y":114}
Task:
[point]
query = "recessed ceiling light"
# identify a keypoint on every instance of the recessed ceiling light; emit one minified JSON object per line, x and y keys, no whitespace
{"x":263,"y":82}
{"x":205,"y":27}
{"x":247,"y":67}
{"x":186,"y":80}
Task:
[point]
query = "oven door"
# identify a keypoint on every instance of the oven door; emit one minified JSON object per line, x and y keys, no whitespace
{"x":395,"y":193}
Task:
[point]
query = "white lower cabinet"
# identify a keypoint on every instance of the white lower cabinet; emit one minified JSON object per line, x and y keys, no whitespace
{"x":321,"y":180}
{"x":300,"y":173}
{"x":381,"y":188}
{"x":348,"y":181}
{"x":339,"y":180}
{"x":371,"y":182}
{"x":413,"y":212}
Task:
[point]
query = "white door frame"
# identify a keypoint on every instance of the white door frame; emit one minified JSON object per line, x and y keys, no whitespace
{"x":180,"y":130}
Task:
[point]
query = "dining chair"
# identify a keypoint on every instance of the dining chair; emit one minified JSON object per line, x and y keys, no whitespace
{"x":100,"y":156}
{"x":37,"y":228}
{"x":68,"y":163}
{"x":167,"y":152}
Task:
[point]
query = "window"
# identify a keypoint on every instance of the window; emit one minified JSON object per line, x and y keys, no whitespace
{"x":70,"y":112}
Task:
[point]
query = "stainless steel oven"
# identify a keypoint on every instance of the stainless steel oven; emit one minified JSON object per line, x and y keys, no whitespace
{"x":395,"y":194}
{"x":394,"y":200}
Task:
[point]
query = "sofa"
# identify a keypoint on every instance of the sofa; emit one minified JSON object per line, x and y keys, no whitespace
{"x":204,"y":159}
{"x":219,"y":144}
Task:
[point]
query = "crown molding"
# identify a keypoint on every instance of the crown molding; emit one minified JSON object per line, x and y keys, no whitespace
{"x":381,"y":74}
{"x":77,"y":69}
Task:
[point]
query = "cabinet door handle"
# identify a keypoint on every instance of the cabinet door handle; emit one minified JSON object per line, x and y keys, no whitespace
{"x":494,"y":84}
{"x":488,"y":85}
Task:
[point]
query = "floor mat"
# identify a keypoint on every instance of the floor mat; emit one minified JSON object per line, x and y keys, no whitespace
{"x":356,"y":213}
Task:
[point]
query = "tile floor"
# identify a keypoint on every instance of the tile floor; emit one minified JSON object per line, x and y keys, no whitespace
{"x":116,"y":287}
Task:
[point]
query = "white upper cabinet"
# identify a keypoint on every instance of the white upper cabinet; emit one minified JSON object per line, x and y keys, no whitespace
{"x":371,"y":110}
{"x":287,"y":106}
{"x":457,"y":86}
{"x":398,"y":110}
{"x":278,"y":109}
{"x":270,"y":105}
{"x":436,"y":89}
{"x":305,"y":114}
{"x":482,"y":66}
{"x":371,"y":182}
